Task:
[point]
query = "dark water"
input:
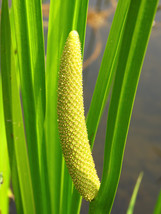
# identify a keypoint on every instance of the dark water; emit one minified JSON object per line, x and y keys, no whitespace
{"x":144,"y":138}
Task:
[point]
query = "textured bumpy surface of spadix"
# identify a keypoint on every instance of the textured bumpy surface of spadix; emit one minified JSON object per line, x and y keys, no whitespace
{"x":71,"y":121}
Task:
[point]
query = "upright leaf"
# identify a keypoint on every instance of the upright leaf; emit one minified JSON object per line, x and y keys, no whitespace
{"x":157,"y":209}
{"x":37,"y":54}
{"x":14,"y":123}
{"x":20,"y":11}
{"x":6,"y":88}
{"x":134,"y":195}
{"x":4,"y":161}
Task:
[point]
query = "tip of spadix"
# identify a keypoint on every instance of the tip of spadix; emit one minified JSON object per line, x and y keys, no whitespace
{"x":73,"y":34}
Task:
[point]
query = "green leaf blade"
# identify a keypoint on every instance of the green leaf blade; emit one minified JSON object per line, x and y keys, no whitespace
{"x":26,"y":63}
{"x":14,"y":123}
{"x":26,"y":187}
{"x":37,"y":54}
{"x":4,"y":161}
{"x":134,"y":194}
{"x":157,"y":209}
{"x":6,"y":89}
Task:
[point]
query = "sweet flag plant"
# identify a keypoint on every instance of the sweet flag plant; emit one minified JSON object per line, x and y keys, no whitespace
{"x":44,"y":135}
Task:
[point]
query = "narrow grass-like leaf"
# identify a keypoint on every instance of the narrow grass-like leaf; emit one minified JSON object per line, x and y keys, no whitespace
{"x":4,"y":162}
{"x":25,"y":66}
{"x":157,"y":209}
{"x":134,"y":43}
{"x":26,"y":187}
{"x":107,"y":70}
{"x":6,"y":65}
{"x":134,"y":195}
{"x":37,"y":53}
{"x":53,"y":146}
{"x":80,"y":19}
{"x":6,"y":88}
{"x":34,"y":20}
{"x":66,"y":186}
{"x":76,"y":202}
{"x":15,"y":131}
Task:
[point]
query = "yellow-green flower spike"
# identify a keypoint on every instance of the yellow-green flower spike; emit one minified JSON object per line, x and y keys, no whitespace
{"x":71,"y":121}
